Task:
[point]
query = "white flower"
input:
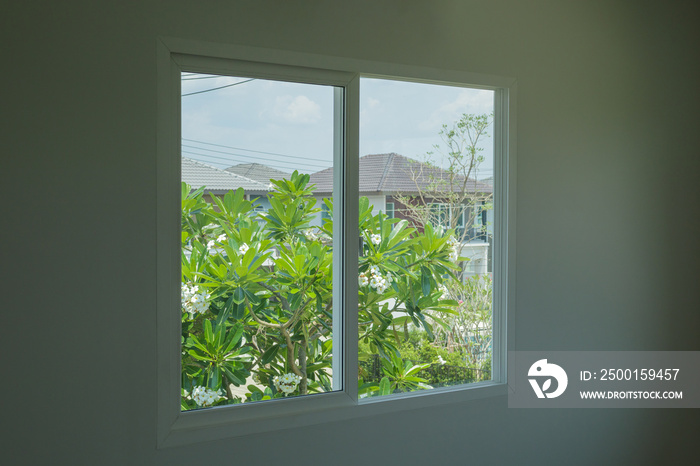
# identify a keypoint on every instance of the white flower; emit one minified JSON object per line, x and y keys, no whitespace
{"x":244,"y":248}
{"x":363,"y":279}
{"x":286,"y":383}
{"x":379,"y":283}
{"x":310,"y":235}
{"x":374,"y":278}
{"x":440,"y":360}
{"x":186,"y":293}
{"x":205,"y":396}
{"x":212,"y":243}
{"x":194,"y":302}
{"x":454,"y":248}
{"x":376,"y":239}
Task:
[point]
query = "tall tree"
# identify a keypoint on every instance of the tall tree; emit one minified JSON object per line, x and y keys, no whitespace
{"x":445,"y":188}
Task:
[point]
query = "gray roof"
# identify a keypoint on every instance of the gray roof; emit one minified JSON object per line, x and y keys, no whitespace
{"x":258,"y":172}
{"x":393,"y":173}
{"x":198,"y":174}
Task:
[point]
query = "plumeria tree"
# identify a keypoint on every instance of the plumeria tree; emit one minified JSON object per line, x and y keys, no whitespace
{"x":257,"y":295}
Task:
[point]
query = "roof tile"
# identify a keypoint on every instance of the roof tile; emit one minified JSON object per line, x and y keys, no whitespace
{"x":395,"y":173}
{"x":198,"y":174}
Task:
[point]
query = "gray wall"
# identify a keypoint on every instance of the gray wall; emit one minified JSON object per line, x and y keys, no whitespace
{"x":607,"y":135}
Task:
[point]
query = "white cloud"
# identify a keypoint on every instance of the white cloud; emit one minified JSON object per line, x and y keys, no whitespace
{"x":299,"y":109}
{"x":369,"y":111}
{"x":467,"y":101}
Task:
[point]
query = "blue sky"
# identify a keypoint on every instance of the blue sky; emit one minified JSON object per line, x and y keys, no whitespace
{"x":289,"y":125}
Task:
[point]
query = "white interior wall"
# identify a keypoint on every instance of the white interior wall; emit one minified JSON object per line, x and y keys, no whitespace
{"x":607,"y":134}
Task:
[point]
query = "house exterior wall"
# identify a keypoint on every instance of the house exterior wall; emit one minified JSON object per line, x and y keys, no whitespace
{"x":378,"y":201}
{"x":261,"y":202}
{"x":478,"y":255}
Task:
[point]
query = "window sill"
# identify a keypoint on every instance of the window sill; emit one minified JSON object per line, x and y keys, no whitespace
{"x":227,"y":422}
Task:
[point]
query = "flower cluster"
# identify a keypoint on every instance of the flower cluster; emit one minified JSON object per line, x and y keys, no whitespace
{"x":204,"y":396}
{"x":193,"y":301}
{"x":374,"y":279}
{"x":212,"y":243}
{"x":286,"y":383}
{"x":454,"y":248}
{"x":374,"y":238}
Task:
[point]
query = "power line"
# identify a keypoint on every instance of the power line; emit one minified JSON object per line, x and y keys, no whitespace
{"x":217,"y":88}
{"x":230,"y":162}
{"x":228,"y":159}
{"x":244,"y":155}
{"x":251,"y":150}
{"x":480,"y":171}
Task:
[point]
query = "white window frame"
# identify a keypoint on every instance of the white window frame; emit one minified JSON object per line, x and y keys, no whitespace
{"x":449,"y":208}
{"x":386,"y":209}
{"x":177,"y":428}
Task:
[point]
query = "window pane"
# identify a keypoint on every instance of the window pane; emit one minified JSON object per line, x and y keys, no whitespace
{"x":425,"y":301}
{"x":257,"y":255}
{"x":390,"y":209}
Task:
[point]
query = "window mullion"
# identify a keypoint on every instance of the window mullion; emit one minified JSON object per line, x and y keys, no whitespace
{"x":348,"y":177}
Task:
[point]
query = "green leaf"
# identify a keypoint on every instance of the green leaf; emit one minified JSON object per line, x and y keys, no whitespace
{"x":208,"y":334}
{"x":214,"y":378}
{"x":198,"y":356}
{"x":269,"y":354}
{"x":234,"y":337}
{"x":238,"y":295}
{"x":384,"y":386}
{"x":225,"y":311}
{"x":425,"y":280}
{"x":235,"y":379}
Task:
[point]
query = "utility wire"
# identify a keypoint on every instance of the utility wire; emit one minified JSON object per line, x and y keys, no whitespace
{"x":229,"y":159}
{"x":249,"y":150}
{"x":217,"y":88}
{"x":325,"y":162}
{"x":250,"y":156}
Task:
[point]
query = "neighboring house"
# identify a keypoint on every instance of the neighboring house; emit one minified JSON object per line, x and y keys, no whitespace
{"x":258,"y":172}
{"x":262,"y":174}
{"x":218,"y":182}
{"x":383,"y":177}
